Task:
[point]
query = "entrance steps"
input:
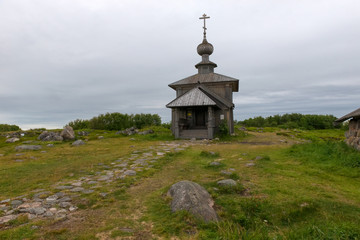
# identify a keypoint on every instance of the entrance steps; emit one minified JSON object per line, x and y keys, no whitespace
{"x":194,"y":133}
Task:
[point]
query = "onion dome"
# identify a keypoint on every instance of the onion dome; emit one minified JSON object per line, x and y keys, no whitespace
{"x":205,"y":48}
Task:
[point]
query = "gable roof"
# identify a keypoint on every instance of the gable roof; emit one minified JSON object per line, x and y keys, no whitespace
{"x":194,"y":97}
{"x":200,"y":96}
{"x":206,"y":78}
{"x":353,"y":114}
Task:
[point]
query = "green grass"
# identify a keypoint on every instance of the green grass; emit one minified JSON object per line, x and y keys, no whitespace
{"x":303,"y":191}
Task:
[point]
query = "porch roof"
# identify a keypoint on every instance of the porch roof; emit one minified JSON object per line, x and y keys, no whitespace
{"x":200,"y":96}
{"x":353,"y":114}
{"x":194,"y":97}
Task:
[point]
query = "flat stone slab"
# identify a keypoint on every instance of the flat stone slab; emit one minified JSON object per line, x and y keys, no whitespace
{"x":27,"y":147}
{"x":130,"y":173}
{"x":77,"y":189}
{"x":227,"y":182}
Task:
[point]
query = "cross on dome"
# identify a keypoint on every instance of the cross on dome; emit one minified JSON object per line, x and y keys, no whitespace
{"x":204,"y":17}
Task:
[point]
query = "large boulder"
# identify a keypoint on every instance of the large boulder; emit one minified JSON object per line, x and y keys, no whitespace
{"x":68,"y":133}
{"x":50,"y":136}
{"x":193,"y":198}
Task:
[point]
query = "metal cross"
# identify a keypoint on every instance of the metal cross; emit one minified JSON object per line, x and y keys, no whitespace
{"x":204,"y":17}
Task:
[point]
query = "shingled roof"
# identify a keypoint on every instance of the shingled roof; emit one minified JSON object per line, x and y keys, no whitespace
{"x":206,"y":78}
{"x":353,"y":114}
{"x":200,"y":96}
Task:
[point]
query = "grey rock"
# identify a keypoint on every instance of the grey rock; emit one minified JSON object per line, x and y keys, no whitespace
{"x":60,"y":194}
{"x":50,"y":136}
{"x":68,"y":133}
{"x":64,"y":199}
{"x":77,"y":189}
{"x":100,"y":137}
{"x":258,"y":157}
{"x":78,"y":143}
{"x":82,"y":133}
{"x":250,"y":164}
{"x":72,"y":208}
{"x":12,"y":140}
{"x":227,"y":182}
{"x":19,"y":160}
{"x":193,"y":198}
{"x":48,"y":214}
{"x":64,"y":187}
{"x":42,"y":194}
{"x":16,"y":202}
{"x":1,"y":155}
{"x":103,"y":194}
{"x":50,"y":145}
{"x":7,"y":218}
{"x":27,"y":147}
{"x":92,"y":182}
{"x":104,"y":178}
{"x":19,"y":154}
{"x":87,"y":191}
{"x":64,"y":204}
{"x":225,"y":172}
{"x":5,"y":201}
{"x":215,"y":164}
{"x":51,"y":199}
{"x":130,"y":173}
{"x":39,"y":210}
{"x":150,"y":131}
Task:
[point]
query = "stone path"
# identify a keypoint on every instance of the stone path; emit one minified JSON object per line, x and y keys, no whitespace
{"x":58,"y":202}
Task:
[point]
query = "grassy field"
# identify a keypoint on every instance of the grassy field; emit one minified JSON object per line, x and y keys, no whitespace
{"x":299,"y":185}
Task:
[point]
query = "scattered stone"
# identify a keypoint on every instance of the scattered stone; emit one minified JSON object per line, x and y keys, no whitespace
{"x":128,"y":131}
{"x":82,"y":133}
{"x":16,"y":203}
{"x":77,"y":184}
{"x":250,"y":164}
{"x":100,"y":137}
{"x":50,"y":136}
{"x":192,"y":139}
{"x":64,"y":204}
{"x":78,"y":143}
{"x":215,"y":164}
{"x":258,"y":158}
{"x":60,"y":194}
{"x":73,"y":208}
{"x":27,"y":147}
{"x":63,"y":187}
{"x":19,"y":160}
{"x":68,"y":133}
{"x":160,"y":153}
{"x":42,"y":194}
{"x":92,"y":182}
{"x":43,"y":151}
{"x":103,"y":194}
{"x":12,"y":140}
{"x":1,"y":155}
{"x":19,"y":154}
{"x":150,"y":131}
{"x":227,"y":182}
{"x":193,"y":198}
{"x":50,"y":145}
{"x":48,"y":214}
{"x":5,"y":201}
{"x":64,"y":199}
{"x":87,"y":191}
{"x":77,"y":189}
{"x":27,"y":142}
{"x":7,"y":218}
{"x":39,"y":210}
{"x":51,"y":199}
{"x":104,"y":178}
{"x":225,"y":172}
{"x":130,"y":173}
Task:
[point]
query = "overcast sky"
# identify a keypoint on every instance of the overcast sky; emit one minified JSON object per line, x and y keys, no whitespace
{"x":68,"y":59}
